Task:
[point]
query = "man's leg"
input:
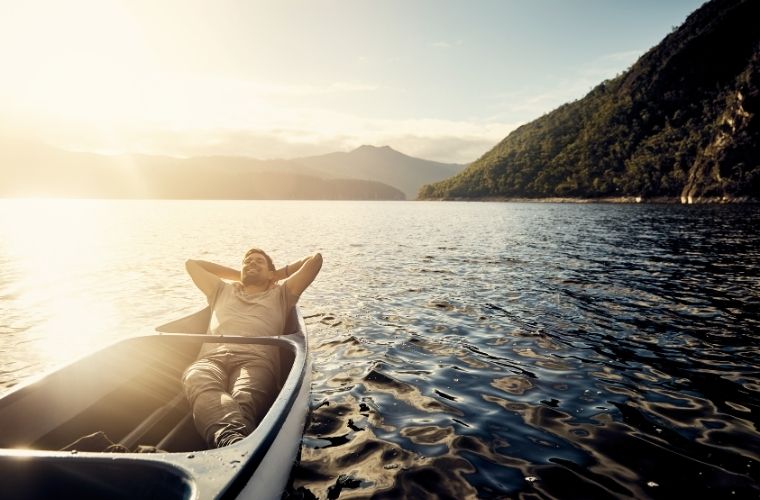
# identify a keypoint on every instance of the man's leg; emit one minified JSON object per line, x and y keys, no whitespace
{"x":253,"y":386}
{"x":216,"y":414}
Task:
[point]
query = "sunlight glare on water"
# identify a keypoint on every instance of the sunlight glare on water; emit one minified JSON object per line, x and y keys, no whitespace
{"x":49,"y":247}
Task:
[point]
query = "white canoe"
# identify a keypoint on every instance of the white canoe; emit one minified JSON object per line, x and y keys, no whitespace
{"x":132,"y":392}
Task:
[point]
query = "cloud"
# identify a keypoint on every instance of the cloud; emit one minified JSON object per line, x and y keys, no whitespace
{"x":446,"y":149}
{"x":311,"y":132}
{"x":170,"y":100}
{"x":441,"y":140}
{"x":180,"y":115}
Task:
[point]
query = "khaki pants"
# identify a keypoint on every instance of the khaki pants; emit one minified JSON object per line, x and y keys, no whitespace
{"x":229,"y":394}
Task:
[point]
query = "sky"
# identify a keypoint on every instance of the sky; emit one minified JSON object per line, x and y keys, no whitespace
{"x":439,"y":79}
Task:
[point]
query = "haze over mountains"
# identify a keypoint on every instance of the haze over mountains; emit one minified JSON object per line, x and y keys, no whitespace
{"x":383,"y":164}
{"x":367,"y":173}
{"x":681,"y":124}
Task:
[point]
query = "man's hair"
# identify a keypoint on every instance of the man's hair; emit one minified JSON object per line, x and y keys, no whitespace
{"x":270,"y":264}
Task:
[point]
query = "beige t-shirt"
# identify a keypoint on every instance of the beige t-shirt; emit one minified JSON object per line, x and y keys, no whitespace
{"x":238,"y":313}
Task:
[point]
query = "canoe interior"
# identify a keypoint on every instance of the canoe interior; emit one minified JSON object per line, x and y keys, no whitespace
{"x":46,"y":479}
{"x":131,"y":391}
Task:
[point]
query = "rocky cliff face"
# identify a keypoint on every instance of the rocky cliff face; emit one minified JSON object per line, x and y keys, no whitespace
{"x":726,"y":170}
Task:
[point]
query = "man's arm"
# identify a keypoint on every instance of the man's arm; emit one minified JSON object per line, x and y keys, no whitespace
{"x":207,"y":275}
{"x":300,"y":274}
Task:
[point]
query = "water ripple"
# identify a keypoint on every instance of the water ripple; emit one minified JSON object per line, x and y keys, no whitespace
{"x":612,"y":359}
{"x":460,"y":350}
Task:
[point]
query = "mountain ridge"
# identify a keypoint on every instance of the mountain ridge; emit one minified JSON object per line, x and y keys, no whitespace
{"x":32,"y":169}
{"x":405,"y":172}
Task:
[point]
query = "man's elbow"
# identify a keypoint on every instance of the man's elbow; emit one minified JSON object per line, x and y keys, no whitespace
{"x":317,"y":258}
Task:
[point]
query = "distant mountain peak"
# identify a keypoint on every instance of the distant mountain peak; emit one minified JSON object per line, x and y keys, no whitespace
{"x":370,"y":147}
{"x":385,"y":153}
{"x":383,"y":164}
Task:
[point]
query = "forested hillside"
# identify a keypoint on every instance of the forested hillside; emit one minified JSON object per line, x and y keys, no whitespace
{"x":680,"y":124}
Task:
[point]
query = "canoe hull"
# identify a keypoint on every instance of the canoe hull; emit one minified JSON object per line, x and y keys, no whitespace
{"x":131,"y":391}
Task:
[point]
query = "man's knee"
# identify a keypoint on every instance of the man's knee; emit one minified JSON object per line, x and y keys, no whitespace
{"x":197,"y":380}
{"x":253,"y":401}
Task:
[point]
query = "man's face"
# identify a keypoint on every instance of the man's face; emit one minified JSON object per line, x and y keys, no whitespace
{"x":255,"y":270}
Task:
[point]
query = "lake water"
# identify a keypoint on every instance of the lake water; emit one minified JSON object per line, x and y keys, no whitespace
{"x":460,"y":349}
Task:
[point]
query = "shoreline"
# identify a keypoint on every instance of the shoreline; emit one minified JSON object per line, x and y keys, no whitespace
{"x":630,"y":200}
